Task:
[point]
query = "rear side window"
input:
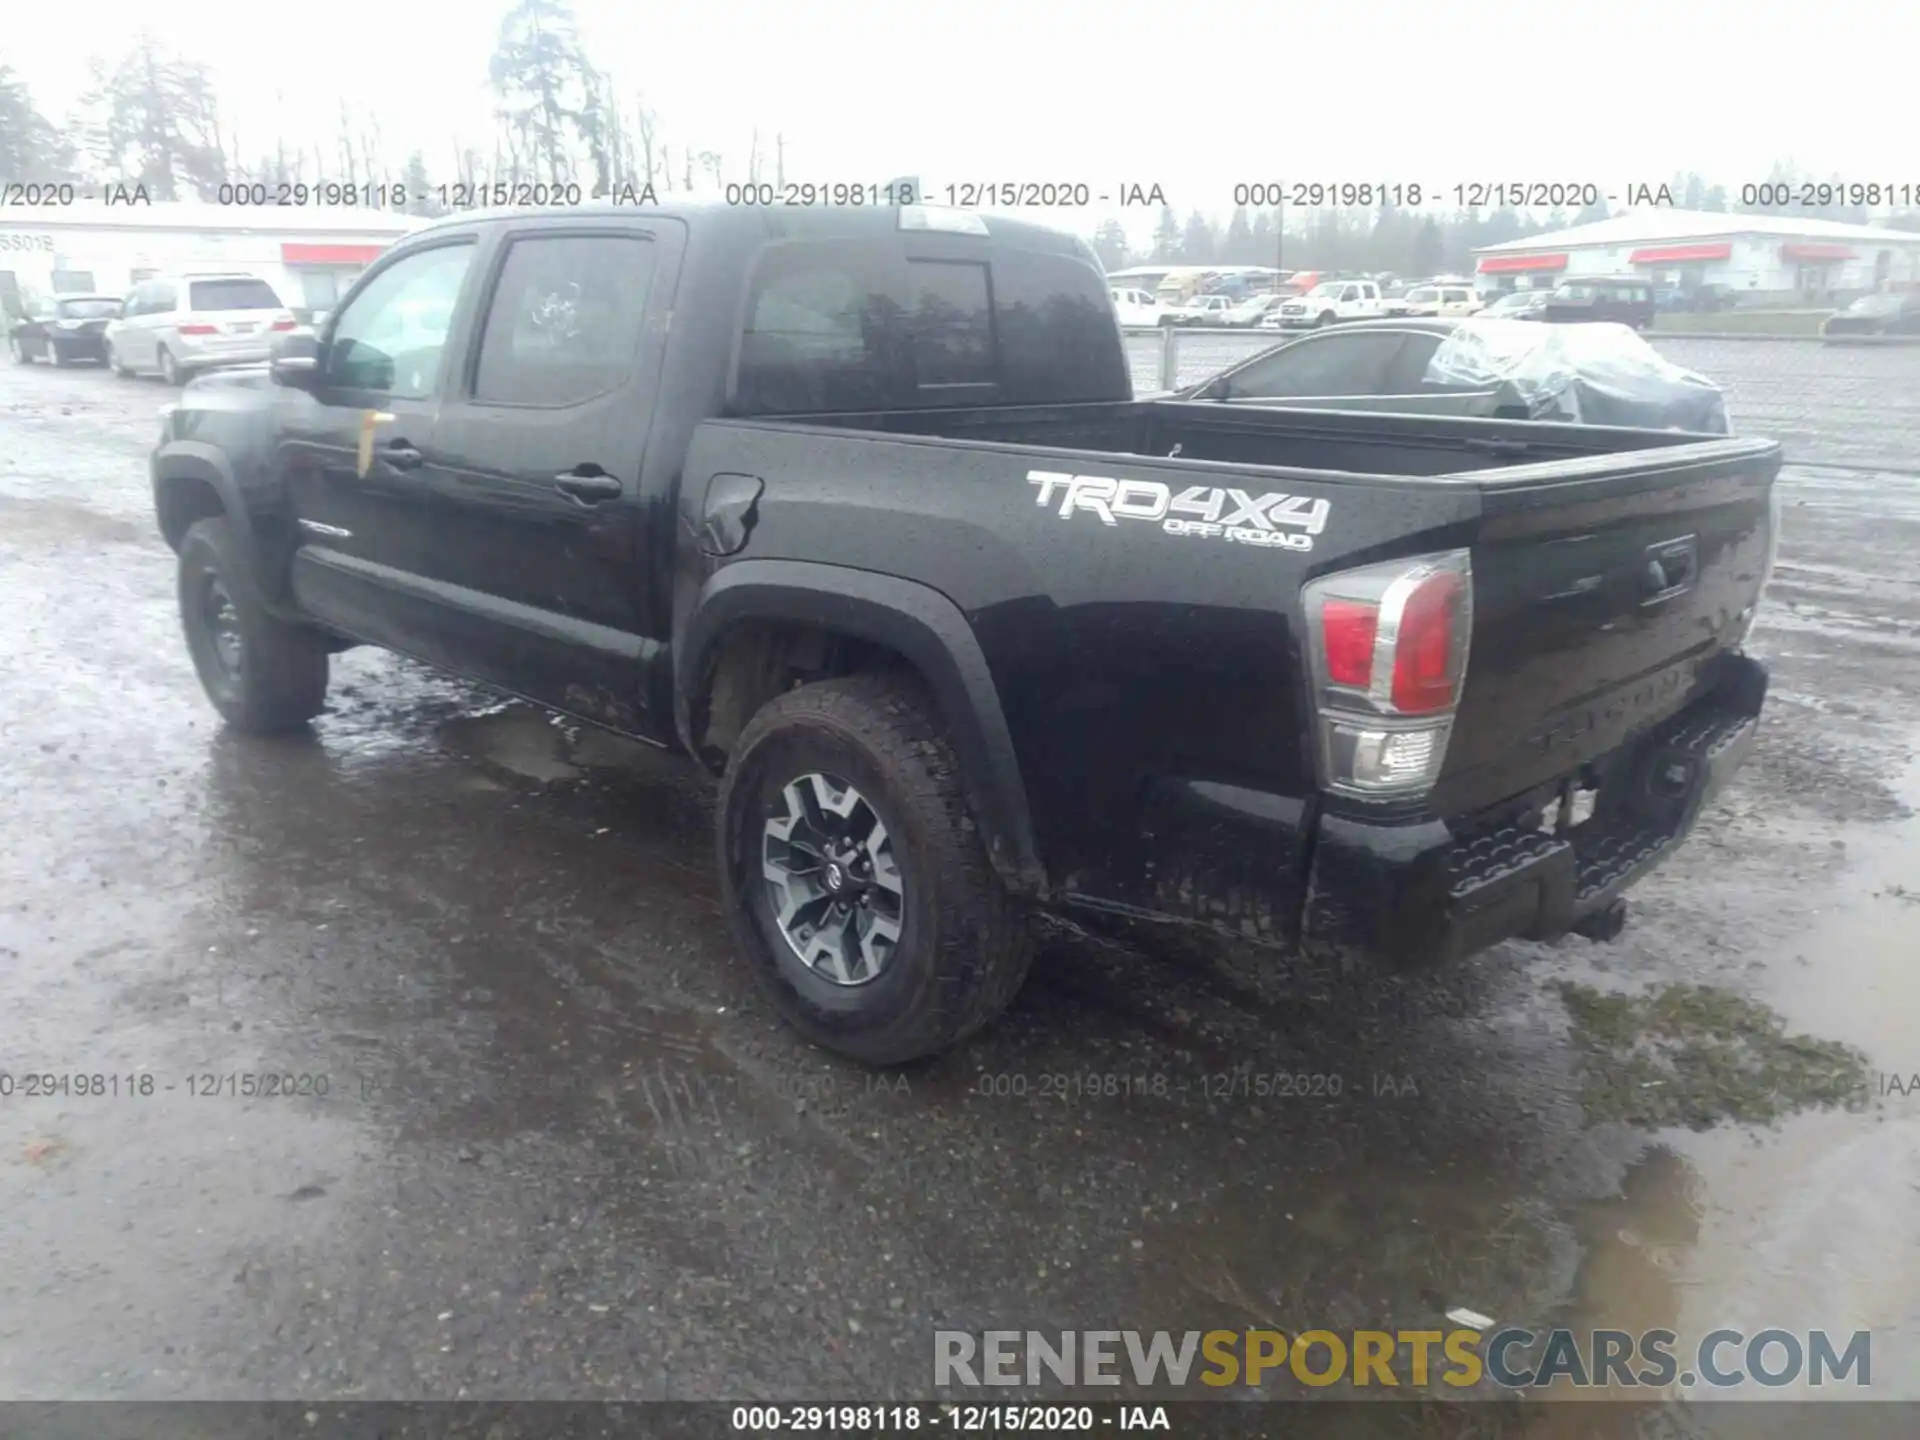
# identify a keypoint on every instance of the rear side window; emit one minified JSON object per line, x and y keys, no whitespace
{"x":242,"y":294}
{"x":564,"y":325}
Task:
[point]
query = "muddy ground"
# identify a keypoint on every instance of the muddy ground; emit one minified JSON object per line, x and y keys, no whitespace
{"x":565,"y":1151}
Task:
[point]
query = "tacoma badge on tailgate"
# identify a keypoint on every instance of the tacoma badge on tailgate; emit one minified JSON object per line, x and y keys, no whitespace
{"x":1288,"y":522}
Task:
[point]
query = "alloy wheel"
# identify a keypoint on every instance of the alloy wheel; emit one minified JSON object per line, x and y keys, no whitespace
{"x":222,"y":623}
{"x":836,"y":893}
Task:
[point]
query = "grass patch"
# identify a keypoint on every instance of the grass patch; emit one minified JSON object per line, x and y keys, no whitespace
{"x":1695,"y":1055}
{"x":1741,"y":322}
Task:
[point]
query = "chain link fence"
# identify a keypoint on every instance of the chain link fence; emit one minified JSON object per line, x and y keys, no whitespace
{"x":1846,"y":406}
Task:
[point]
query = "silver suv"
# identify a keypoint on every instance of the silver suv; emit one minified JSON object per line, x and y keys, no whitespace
{"x":176,"y":325}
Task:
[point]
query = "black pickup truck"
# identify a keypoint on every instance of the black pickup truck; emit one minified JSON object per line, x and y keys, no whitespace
{"x":856,"y":508}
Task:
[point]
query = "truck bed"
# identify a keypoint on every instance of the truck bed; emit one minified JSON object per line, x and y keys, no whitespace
{"x":1369,"y":444}
{"x":1204,"y":639}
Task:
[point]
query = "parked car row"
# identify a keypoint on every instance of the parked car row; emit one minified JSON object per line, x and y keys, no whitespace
{"x":170,"y":326}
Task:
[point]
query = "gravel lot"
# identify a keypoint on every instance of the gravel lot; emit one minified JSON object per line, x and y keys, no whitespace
{"x":1826,"y":404}
{"x":564,"y":1151}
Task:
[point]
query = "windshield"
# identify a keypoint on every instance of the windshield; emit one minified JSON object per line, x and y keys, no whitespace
{"x":1329,"y":291}
{"x":1423,"y":292}
{"x":88,"y":309}
{"x":1875,"y":305}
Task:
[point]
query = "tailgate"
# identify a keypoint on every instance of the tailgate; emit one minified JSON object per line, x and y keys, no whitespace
{"x":1602,"y":590}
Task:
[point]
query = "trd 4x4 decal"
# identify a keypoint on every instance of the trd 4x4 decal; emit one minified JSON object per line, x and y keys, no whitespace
{"x":1286,"y":522}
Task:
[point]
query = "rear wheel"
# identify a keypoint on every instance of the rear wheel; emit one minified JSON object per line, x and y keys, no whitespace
{"x":113,"y":359}
{"x":170,"y":370}
{"x":60,"y":357}
{"x":262,"y":674}
{"x":855,"y":877}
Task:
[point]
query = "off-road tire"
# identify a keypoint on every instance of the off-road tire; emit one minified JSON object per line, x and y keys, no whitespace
{"x":965,"y":944}
{"x":282,"y":676}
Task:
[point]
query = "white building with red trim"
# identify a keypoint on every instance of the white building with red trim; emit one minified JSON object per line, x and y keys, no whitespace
{"x":1761,"y":255}
{"x":308,"y":254}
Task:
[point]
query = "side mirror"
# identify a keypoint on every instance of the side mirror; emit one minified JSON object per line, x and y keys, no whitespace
{"x":295,"y":360}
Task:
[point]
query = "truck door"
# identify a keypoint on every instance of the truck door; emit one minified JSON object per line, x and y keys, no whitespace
{"x":536,"y":467}
{"x":352,"y":448}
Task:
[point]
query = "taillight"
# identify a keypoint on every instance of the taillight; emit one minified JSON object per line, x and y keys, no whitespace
{"x":281,"y":325}
{"x":1388,"y":646}
{"x":1347,"y":628}
{"x":198,"y":330}
{"x":1423,"y":673}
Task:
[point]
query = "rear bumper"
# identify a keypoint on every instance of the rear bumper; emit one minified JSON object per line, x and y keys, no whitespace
{"x":1429,"y":892}
{"x":81,"y":346}
{"x":191,"y":353}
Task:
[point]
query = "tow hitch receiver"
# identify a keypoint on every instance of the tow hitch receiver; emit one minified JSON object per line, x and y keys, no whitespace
{"x":1605,"y":924}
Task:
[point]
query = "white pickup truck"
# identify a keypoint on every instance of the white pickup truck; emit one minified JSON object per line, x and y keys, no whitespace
{"x":1136,"y":307}
{"x":1327,"y":303}
{"x":1201,"y":310}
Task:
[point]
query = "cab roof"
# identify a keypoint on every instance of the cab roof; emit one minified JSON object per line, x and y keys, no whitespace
{"x":774,"y":222}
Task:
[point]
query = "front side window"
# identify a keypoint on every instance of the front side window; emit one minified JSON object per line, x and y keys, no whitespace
{"x":564,"y":325}
{"x":393,"y":336}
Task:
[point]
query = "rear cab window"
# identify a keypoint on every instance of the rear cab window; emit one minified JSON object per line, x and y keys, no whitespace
{"x":231,"y":294}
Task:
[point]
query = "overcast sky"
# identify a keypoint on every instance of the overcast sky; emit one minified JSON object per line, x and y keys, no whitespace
{"x":1196,"y":96}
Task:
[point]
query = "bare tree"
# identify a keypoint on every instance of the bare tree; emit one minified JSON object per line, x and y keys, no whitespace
{"x":154,"y":120}
{"x":646,"y":132}
{"x":710,"y":162}
{"x":349,"y":163}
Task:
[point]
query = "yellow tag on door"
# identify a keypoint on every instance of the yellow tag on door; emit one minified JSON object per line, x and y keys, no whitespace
{"x":368,"y":420}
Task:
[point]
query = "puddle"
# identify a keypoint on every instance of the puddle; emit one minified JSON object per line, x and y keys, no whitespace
{"x":526,"y":743}
{"x":1813,"y":1223}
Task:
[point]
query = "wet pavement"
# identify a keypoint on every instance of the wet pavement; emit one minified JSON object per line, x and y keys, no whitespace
{"x":545,"y":1141}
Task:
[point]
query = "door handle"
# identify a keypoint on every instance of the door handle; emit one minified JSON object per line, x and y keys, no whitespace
{"x":401,"y":456}
{"x":588,"y":489}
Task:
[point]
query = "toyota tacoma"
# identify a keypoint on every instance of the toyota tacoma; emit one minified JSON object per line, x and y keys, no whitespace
{"x":856,"y":509}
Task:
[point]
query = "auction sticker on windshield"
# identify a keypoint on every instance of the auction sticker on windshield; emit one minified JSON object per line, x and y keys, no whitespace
{"x":1275,"y":520}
